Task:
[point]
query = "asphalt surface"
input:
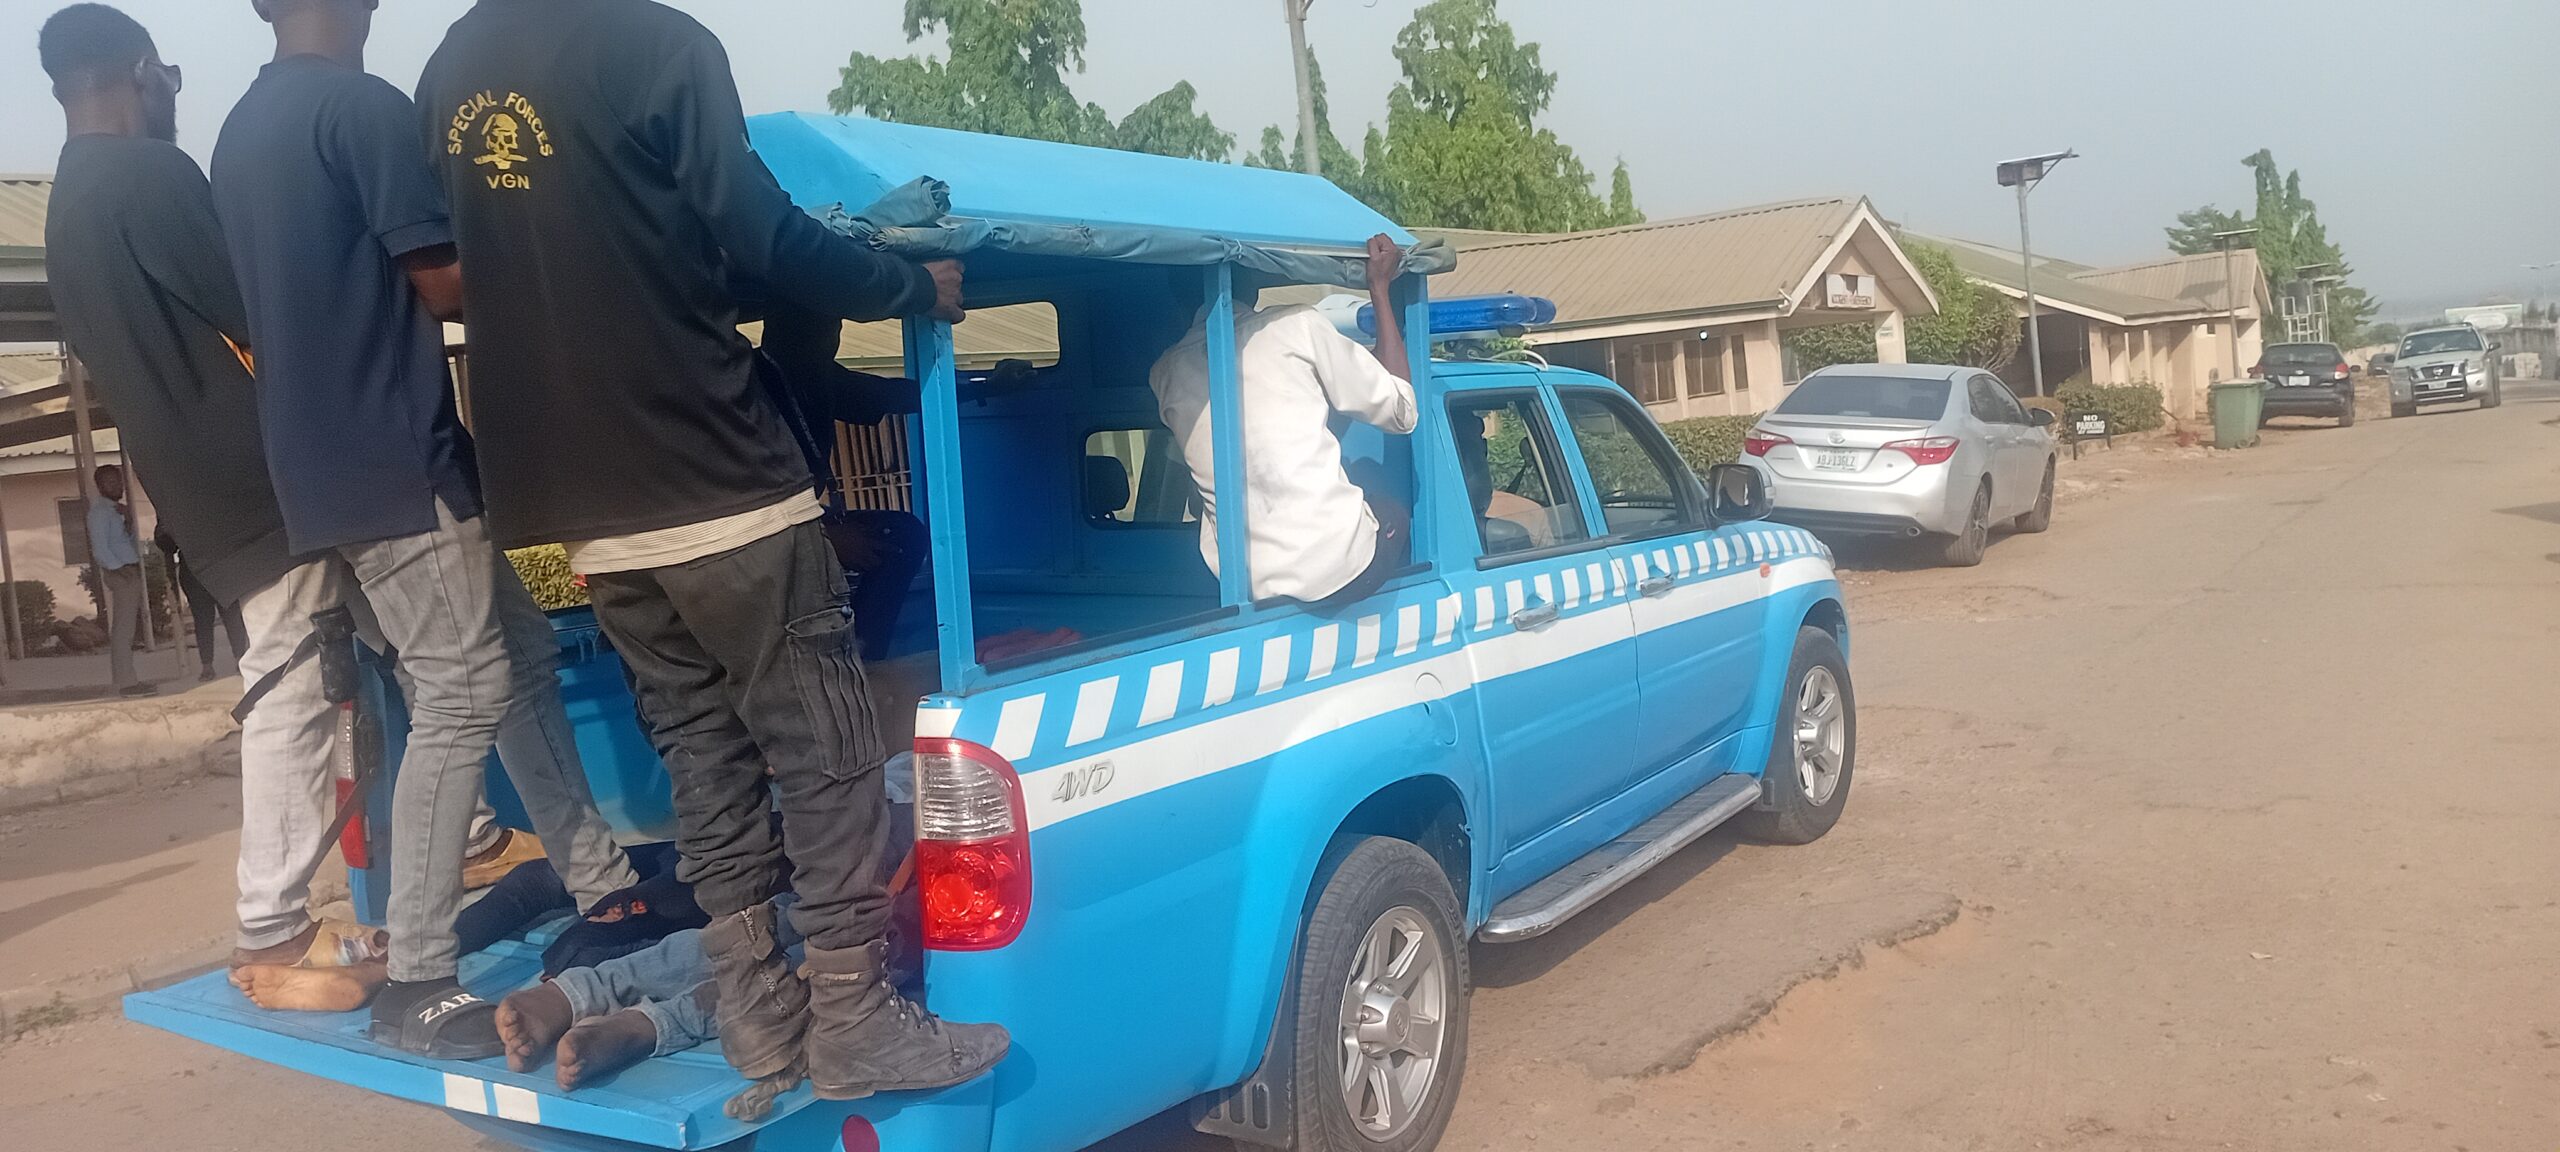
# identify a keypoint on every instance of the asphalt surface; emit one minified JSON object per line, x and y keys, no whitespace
{"x":2221,"y":816}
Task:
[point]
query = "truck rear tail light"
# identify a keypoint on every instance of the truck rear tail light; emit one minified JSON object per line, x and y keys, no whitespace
{"x":1759,"y":443}
{"x":1928,"y":450}
{"x":973,"y":847}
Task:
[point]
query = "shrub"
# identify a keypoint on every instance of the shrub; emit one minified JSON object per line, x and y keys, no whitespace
{"x":36,"y":622}
{"x":545,"y":572}
{"x":2129,"y":407}
{"x":1709,"y":440}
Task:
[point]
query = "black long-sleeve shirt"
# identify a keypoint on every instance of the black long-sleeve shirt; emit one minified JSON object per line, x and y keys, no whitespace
{"x":604,"y":196}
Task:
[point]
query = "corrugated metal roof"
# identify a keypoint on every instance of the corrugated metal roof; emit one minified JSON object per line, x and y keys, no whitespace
{"x":1726,"y":261}
{"x":22,"y":208}
{"x":20,"y":371}
{"x":2056,"y":282}
{"x":1012,"y":332}
{"x":2197,"y":281}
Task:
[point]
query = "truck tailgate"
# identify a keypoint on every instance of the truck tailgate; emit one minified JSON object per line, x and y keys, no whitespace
{"x":670,"y":1102}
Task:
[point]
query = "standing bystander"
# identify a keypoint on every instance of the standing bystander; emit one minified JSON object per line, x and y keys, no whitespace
{"x":118,"y":561}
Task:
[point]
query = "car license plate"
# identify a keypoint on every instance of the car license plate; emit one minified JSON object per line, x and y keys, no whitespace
{"x":1832,"y":460}
{"x":2297,"y":381}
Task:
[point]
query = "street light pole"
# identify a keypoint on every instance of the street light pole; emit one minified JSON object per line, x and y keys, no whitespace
{"x":2231,"y":293}
{"x":2024,"y":175}
{"x":1296,"y":11}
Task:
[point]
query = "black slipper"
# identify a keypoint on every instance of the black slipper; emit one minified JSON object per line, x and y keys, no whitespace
{"x":436,"y":1019}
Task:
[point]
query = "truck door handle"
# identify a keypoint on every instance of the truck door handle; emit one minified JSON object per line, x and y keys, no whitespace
{"x":1656,"y":586}
{"x":1534,"y":616}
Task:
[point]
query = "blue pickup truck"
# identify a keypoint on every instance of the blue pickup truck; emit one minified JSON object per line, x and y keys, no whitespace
{"x":1200,"y":849}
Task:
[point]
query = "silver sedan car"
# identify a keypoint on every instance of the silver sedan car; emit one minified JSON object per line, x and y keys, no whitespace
{"x":1909,"y":450}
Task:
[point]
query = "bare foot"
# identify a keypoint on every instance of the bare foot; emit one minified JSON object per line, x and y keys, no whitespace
{"x":531,"y":1022}
{"x":279,"y":988}
{"x":598,"y":1048}
{"x":290,"y":952}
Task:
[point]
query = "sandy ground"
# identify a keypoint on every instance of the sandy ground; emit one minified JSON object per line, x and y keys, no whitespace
{"x":2221,"y":816}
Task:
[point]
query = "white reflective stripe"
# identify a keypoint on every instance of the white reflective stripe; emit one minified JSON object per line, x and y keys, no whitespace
{"x":1546,"y":588}
{"x":1408,"y":629}
{"x":1680,"y":560}
{"x":464,"y":1094}
{"x":1320,"y":653}
{"x":516,"y":1104}
{"x":1484,"y":608}
{"x":1518,"y":601}
{"x":1093,"y":710}
{"x":1722,"y":557}
{"x":1164,"y":691}
{"x":1364,"y":643}
{"x":936,"y":723}
{"x":1451,"y":607}
{"x":1275,"y":664}
{"x":1617,"y":576}
{"x":1705,"y":562}
{"x":1181,"y":755}
{"x":1222,"y":677}
{"x":1662,"y":562}
{"x":1572,"y":587}
{"x":1018,"y":726}
{"x":1596,"y":581}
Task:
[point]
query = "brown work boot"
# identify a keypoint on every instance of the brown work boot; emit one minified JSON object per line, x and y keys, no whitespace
{"x":764,"y":1006}
{"x":864,"y":1037}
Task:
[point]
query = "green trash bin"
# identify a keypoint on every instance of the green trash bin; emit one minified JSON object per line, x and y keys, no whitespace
{"x":2238,"y":405}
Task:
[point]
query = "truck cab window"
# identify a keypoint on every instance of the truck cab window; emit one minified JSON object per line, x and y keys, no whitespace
{"x":1136,"y":477}
{"x":1519,"y":495}
{"x":1638,"y":491}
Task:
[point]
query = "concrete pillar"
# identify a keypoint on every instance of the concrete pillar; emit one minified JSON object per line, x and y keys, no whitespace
{"x":1760,"y":352}
{"x":1890,"y":339}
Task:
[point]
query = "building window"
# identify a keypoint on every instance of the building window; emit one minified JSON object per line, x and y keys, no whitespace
{"x":1653,"y":371}
{"x":1741,"y":366}
{"x":1704,"y":365}
{"x":74,"y":513}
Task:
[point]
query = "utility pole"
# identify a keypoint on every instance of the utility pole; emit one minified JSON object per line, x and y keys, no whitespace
{"x":2024,"y":175}
{"x":2231,"y":293}
{"x":1296,"y":11}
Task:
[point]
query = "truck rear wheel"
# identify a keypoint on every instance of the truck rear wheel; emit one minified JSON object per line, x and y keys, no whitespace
{"x":1381,"y":1003}
{"x":1814,"y":755}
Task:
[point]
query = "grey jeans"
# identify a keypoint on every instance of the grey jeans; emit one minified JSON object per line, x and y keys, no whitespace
{"x":477,"y":664}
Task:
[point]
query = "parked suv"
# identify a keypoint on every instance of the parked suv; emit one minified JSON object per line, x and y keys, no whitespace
{"x":2444,"y":366}
{"x":2308,"y":380}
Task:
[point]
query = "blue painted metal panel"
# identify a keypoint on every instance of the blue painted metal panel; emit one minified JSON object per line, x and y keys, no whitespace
{"x":823,"y":160}
{"x":1226,"y":439}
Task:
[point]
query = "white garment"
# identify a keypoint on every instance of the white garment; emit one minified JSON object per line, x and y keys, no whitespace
{"x":1309,"y":530}
{"x":684,"y":543}
{"x":111,"y":544}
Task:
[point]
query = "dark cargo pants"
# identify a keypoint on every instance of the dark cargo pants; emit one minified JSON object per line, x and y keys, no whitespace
{"x":745,"y":660}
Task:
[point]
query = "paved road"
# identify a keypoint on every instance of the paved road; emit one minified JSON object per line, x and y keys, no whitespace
{"x":2221,"y":816}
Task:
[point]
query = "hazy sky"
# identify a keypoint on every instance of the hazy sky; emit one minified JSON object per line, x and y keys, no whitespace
{"x":2426,"y":130}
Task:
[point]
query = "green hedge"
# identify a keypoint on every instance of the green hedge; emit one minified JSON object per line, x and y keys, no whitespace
{"x":36,"y":621}
{"x":2129,"y":407}
{"x":1710,"y":440}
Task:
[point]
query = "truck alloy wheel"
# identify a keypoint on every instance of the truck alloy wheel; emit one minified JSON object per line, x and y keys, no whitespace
{"x":1379,"y":1002}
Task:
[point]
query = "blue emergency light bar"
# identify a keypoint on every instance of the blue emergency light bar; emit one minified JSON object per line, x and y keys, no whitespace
{"x":1474,"y":315}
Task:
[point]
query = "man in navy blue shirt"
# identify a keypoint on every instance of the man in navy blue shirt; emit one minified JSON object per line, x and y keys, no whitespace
{"x":339,"y":236}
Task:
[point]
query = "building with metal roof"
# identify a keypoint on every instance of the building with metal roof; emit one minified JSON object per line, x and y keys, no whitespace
{"x":1690,"y":314}
{"x":2179,"y":323}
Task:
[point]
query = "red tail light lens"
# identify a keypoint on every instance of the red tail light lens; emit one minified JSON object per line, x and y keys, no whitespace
{"x":1931,"y":450}
{"x":1759,"y":443}
{"x":973,"y":847}
{"x":2342,"y":372}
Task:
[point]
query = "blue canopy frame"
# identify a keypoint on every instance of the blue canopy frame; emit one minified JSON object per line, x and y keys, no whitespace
{"x":932,"y":192}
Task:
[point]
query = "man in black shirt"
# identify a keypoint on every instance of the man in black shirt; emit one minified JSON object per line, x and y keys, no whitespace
{"x":342,"y":245}
{"x":147,"y":301}
{"x":603,"y":193}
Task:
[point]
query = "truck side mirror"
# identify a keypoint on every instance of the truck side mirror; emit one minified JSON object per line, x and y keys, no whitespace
{"x":1737,"y":494}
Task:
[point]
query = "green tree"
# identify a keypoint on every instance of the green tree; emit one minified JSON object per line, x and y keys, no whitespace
{"x":2289,"y":239}
{"x":1006,"y":73}
{"x":1280,"y":151}
{"x":1463,"y":148}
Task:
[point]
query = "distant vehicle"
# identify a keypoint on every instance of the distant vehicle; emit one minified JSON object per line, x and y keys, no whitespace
{"x":2444,"y":366}
{"x":1909,"y":450}
{"x":2380,"y":365}
{"x":2308,"y":380}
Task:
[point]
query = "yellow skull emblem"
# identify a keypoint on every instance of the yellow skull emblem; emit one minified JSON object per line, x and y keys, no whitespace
{"x":503,"y":136}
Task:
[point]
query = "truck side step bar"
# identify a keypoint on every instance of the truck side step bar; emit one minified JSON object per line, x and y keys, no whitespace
{"x":1538,"y":909}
